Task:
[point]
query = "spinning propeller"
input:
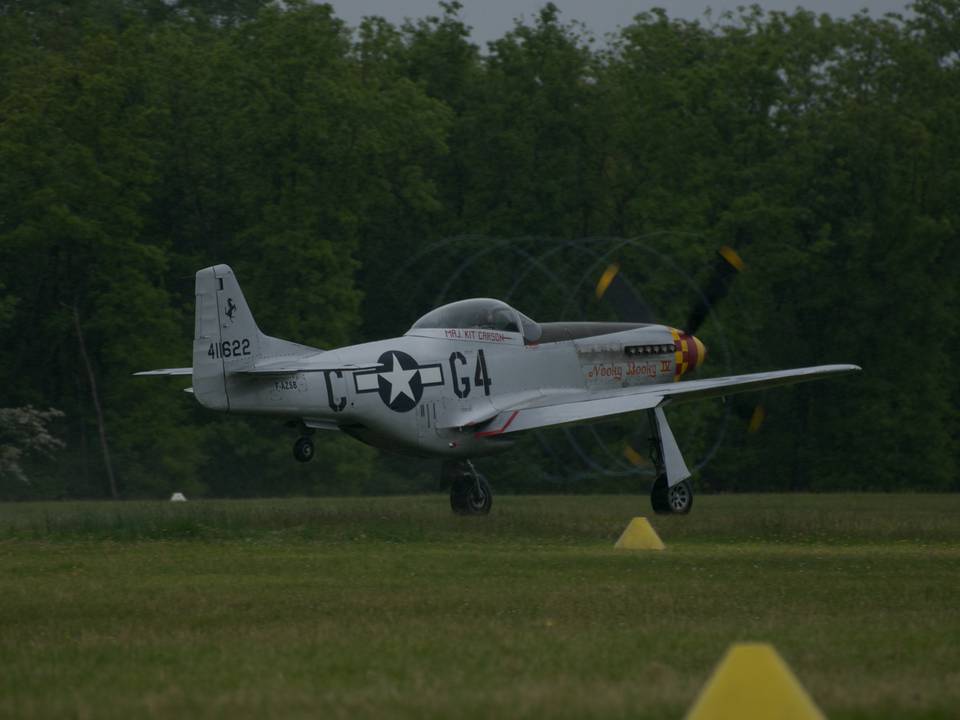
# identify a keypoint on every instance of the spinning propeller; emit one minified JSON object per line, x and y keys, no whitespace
{"x":546,"y":279}
{"x":624,"y":298}
{"x":631,"y":307}
{"x":727,"y":264}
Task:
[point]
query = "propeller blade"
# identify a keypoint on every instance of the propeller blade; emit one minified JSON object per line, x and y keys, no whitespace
{"x":757,"y":418}
{"x":627,"y":302}
{"x":726,"y":267}
{"x":635,"y":449}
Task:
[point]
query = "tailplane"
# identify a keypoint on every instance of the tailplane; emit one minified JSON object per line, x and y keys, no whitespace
{"x":228,"y":347}
{"x":226,"y":339}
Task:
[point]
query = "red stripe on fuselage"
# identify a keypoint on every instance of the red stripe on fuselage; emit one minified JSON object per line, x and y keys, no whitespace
{"x":488,"y":433}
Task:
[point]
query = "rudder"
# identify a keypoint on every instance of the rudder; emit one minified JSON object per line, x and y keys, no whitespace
{"x":226,"y":337}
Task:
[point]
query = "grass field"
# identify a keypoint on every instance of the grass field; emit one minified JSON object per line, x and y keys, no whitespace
{"x":393,"y":608}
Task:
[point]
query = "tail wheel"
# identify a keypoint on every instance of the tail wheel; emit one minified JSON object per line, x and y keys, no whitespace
{"x":303,"y":449}
{"x":471,"y":495}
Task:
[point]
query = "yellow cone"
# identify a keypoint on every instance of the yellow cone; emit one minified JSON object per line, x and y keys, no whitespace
{"x":639,"y":535}
{"x":751,"y":682}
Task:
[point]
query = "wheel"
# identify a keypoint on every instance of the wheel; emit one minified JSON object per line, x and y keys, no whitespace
{"x":470,"y":495}
{"x":680,"y":498}
{"x":676,"y":500}
{"x":658,"y":496}
{"x":303,"y":449}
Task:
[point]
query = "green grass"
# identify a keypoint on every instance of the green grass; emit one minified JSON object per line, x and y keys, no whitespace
{"x":391,"y":607}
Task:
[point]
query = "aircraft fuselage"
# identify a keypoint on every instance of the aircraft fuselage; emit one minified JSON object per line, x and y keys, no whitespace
{"x":407,"y":390}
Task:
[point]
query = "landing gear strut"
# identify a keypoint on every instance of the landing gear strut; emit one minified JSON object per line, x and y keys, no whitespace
{"x":470,"y":493}
{"x":665,"y":498}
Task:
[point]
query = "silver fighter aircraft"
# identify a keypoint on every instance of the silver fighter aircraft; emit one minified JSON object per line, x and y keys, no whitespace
{"x":461,"y":383}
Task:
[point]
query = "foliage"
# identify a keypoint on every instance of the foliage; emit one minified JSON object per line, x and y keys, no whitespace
{"x":342,"y":172}
{"x":25,"y":432}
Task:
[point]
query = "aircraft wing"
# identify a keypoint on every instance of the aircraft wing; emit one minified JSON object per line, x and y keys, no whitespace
{"x":565,"y":409}
{"x":731,"y":384}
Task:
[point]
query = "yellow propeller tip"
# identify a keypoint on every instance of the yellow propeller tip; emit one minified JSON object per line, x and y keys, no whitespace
{"x":756,"y":420}
{"x":731,"y":256}
{"x":633,"y":456}
{"x":608,"y":275}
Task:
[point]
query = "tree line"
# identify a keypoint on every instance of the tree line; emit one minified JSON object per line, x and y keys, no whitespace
{"x":354,"y":176}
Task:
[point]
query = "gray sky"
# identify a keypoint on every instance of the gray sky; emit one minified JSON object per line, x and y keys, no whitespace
{"x":490,"y":19}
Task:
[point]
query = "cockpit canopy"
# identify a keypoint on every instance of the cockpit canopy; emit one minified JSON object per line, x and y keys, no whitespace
{"x":480,"y":313}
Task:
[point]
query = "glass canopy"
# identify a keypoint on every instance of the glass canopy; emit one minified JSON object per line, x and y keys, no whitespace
{"x":481,"y":313}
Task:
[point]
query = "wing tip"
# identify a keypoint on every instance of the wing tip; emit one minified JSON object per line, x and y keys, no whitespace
{"x":848,"y":367}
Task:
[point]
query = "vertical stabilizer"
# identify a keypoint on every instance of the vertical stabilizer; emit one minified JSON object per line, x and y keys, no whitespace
{"x":226,"y":337}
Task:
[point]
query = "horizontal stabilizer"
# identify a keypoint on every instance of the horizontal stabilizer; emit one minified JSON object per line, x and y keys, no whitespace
{"x":302,"y":366}
{"x":273,"y":368}
{"x":167,"y":372}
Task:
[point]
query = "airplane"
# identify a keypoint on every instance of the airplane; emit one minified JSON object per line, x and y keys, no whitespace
{"x":467,"y":378}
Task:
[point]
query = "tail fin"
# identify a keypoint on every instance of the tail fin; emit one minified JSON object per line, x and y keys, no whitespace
{"x":226,"y":340}
{"x":226,"y":337}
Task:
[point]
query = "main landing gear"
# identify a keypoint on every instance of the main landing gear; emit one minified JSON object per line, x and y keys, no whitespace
{"x":676,"y":499}
{"x":470,"y":493}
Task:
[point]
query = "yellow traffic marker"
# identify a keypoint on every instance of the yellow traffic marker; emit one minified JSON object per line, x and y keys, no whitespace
{"x":752,"y":682}
{"x":639,"y":535}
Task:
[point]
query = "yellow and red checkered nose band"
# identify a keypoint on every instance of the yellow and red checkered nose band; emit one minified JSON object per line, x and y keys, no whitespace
{"x":690,"y":353}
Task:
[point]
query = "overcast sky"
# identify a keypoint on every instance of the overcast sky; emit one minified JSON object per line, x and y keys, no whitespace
{"x":490,"y":19}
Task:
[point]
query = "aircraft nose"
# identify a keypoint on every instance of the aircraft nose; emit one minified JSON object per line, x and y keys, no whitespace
{"x":691,"y":353}
{"x":701,"y":353}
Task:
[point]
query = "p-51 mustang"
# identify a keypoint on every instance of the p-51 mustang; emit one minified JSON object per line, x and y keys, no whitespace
{"x":463,"y":381}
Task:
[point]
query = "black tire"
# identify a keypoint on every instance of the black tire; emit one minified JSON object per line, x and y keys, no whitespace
{"x":658,"y":496}
{"x":303,"y":449}
{"x":469,"y":496}
{"x":676,"y":500}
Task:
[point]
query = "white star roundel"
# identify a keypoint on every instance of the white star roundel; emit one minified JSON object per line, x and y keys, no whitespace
{"x":399,"y":380}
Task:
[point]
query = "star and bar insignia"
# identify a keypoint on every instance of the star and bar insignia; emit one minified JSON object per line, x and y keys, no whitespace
{"x":399,"y":380}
